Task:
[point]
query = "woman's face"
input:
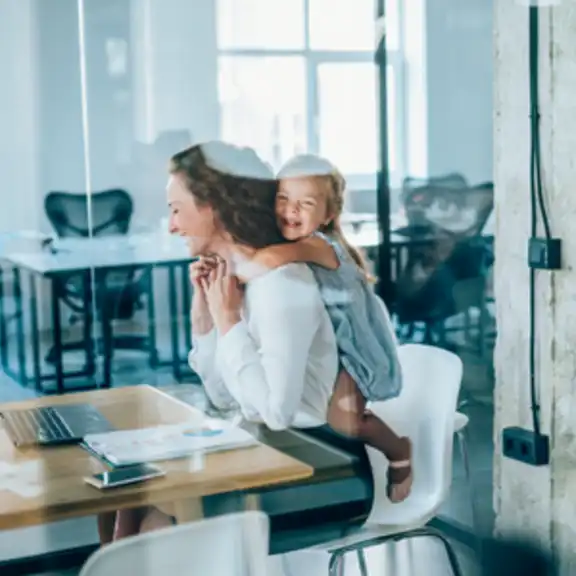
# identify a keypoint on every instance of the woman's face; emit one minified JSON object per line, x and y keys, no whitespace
{"x":189,"y":219}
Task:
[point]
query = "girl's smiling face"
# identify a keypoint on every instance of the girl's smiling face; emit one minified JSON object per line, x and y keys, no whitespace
{"x":301,"y":207}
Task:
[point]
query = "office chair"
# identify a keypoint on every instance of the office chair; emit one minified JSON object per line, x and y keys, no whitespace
{"x":446,"y":274}
{"x":430,"y":292}
{"x":109,"y":213}
{"x":419,"y":193}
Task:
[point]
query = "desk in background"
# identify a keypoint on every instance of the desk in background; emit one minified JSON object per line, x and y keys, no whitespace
{"x":91,"y":260}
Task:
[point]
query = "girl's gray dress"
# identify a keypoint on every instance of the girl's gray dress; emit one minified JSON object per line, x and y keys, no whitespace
{"x":365,"y":336}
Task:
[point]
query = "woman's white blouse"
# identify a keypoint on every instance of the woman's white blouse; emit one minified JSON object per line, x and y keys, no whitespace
{"x":280,"y":362}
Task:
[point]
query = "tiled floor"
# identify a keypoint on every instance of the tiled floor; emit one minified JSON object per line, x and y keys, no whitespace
{"x":404,"y":559}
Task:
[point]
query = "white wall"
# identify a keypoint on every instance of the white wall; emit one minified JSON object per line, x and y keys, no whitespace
{"x":174,"y":53}
{"x":450,"y":120}
{"x":58,"y":97}
{"x":19,"y":170}
{"x":175,"y":84}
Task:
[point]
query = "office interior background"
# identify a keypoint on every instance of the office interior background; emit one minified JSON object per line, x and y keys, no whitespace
{"x":97,"y":94}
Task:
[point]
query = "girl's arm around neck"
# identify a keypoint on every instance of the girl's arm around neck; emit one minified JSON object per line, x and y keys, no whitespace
{"x":310,"y":250}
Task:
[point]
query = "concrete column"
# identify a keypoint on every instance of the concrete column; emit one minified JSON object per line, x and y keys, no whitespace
{"x":541,"y":501}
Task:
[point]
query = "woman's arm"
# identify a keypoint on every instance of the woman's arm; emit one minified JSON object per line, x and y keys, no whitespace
{"x":201,"y":357}
{"x":200,"y":315}
{"x":265,"y":372}
{"x":201,"y":360}
{"x":313,"y":250}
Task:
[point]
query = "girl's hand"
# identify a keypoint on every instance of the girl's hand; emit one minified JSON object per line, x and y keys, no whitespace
{"x":224,"y":296}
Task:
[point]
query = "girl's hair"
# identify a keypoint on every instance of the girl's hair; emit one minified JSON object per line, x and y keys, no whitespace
{"x":322,"y":170}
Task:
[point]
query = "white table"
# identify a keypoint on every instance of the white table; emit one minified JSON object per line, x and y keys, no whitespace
{"x":107,"y":252}
{"x":84,"y":257}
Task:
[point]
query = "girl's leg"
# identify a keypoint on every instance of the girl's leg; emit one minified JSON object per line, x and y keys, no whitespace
{"x":347,"y":414}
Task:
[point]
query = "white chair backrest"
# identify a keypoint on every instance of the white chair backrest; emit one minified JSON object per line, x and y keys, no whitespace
{"x":232,"y":545}
{"x":424,"y":412}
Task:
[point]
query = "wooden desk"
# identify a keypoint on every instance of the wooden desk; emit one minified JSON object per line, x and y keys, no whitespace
{"x":61,"y":470}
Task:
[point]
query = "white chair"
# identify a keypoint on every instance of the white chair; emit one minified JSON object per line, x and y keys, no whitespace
{"x":424,"y":411}
{"x":231,"y":545}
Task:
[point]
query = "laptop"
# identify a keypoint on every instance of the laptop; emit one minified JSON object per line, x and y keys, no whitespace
{"x":53,"y":425}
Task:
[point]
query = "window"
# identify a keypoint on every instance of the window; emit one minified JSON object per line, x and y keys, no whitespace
{"x":338,"y":26}
{"x":261,"y":24}
{"x":299,"y":76}
{"x":263,"y":100}
{"x":347,"y":126}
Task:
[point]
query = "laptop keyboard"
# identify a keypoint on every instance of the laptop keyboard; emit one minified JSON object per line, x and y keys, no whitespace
{"x":39,"y":425}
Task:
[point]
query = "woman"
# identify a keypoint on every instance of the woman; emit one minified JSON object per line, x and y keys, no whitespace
{"x":268,"y":348}
{"x":222,"y":200}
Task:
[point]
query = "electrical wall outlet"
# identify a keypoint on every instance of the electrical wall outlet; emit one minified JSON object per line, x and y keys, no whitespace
{"x":526,"y":446}
{"x":545,"y":253}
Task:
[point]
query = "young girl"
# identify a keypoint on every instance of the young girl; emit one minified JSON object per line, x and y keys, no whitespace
{"x":308,"y":207}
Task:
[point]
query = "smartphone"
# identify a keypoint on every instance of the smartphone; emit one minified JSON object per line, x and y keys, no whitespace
{"x":124,"y":476}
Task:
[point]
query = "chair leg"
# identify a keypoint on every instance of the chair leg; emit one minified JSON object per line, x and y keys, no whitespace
{"x":432,"y":533}
{"x":336,"y":565}
{"x":452,"y":558}
{"x":362,"y":562}
{"x":337,"y":557}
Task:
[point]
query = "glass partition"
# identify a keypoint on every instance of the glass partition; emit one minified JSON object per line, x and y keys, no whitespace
{"x":47,"y":327}
{"x":98,"y":95}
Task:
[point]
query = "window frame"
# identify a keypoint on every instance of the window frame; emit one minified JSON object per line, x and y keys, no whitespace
{"x":314,"y":58}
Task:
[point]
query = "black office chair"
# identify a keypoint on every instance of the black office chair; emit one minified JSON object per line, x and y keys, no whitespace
{"x":446,"y":274}
{"x":106,"y":213}
{"x":418,"y":194}
{"x":431,"y":291}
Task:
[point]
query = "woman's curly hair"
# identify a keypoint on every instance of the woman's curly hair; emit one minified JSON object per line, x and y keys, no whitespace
{"x":237,"y":185}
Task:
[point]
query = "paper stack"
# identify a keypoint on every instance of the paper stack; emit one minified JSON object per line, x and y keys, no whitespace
{"x":126,"y":447}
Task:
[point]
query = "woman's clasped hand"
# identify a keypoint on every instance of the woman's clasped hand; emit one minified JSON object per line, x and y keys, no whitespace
{"x":221,"y":290}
